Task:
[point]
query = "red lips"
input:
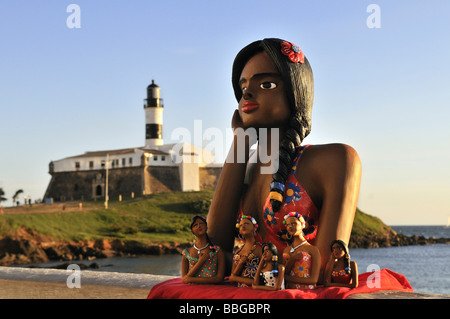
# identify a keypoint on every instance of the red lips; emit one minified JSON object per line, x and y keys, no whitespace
{"x":249,"y":106}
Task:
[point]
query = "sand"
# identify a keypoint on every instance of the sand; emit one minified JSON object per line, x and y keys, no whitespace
{"x":19,"y":289}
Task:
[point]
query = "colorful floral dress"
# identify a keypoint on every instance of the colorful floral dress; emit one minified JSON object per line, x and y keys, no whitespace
{"x":302,"y":268}
{"x":295,"y":200}
{"x":269,"y":279}
{"x":250,"y":266}
{"x":209,"y":268}
{"x":340,"y":276}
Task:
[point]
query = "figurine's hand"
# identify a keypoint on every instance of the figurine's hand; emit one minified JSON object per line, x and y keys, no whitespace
{"x":186,"y":279}
{"x":296,"y":255}
{"x":286,"y":257}
{"x":236,"y":121}
{"x":331,"y":261}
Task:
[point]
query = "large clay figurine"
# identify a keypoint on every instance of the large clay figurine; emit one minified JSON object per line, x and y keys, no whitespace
{"x":246,"y":258}
{"x":301,"y":258}
{"x":340,"y":270}
{"x":270,"y":272}
{"x":273,"y":84}
{"x":204,"y":263}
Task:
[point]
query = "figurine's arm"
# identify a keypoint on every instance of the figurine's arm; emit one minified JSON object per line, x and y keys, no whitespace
{"x":184,"y":266}
{"x":225,"y":204}
{"x":287,"y":260}
{"x":201,"y":260}
{"x":211,"y":280}
{"x":354,"y":268}
{"x":258,"y":271}
{"x":328,"y":270}
{"x":336,"y":170}
{"x":237,"y":269}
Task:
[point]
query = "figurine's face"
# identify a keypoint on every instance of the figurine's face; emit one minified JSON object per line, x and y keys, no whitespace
{"x":267,"y":254}
{"x":199,"y":227}
{"x":338,"y":250}
{"x":263,"y":102}
{"x":294,"y":226}
{"x":246,"y":227}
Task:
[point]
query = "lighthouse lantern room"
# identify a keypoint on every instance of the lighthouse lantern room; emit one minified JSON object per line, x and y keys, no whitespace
{"x":153,"y":106}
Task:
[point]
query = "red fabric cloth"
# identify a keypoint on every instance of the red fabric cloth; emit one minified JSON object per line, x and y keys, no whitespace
{"x":175,"y":289}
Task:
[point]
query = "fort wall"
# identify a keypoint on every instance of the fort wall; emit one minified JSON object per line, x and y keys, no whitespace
{"x":91,"y":184}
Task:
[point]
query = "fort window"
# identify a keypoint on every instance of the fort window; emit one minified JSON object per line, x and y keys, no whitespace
{"x":77,"y":165}
{"x":155,"y":158}
{"x":163,"y":158}
{"x":103,"y":164}
{"x":124,"y":161}
{"x":91,"y":164}
{"x":130,"y":161}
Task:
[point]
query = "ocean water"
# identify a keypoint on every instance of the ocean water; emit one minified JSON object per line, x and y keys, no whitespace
{"x":427,"y":268}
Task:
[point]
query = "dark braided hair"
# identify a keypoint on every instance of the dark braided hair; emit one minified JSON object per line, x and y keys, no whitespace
{"x":211,"y":245}
{"x":299,"y":91}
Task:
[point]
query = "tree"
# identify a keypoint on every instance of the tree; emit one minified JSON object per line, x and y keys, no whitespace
{"x":2,"y":193}
{"x":14,"y":198}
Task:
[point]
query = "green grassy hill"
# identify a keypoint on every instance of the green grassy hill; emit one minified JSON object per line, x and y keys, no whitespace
{"x":156,"y":218}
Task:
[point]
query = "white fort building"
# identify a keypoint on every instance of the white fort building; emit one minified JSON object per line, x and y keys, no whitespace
{"x":152,"y":168}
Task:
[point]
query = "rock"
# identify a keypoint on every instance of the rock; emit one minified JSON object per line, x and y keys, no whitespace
{"x":373,"y":240}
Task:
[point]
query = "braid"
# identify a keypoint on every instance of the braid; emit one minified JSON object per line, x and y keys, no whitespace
{"x":287,"y":152}
{"x":212,"y":247}
{"x":347,"y":268}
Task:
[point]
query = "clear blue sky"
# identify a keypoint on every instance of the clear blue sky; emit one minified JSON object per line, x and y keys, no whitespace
{"x":384,"y":91}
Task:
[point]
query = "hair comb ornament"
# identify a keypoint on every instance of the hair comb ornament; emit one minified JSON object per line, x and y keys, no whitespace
{"x":293,"y":52}
{"x":291,"y":214}
{"x":250,"y":218}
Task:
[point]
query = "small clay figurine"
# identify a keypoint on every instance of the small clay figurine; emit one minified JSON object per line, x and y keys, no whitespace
{"x":246,"y":258}
{"x":270,"y":273}
{"x":302,"y":259}
{"x":340,"y":270}
{"x":204,"y":263}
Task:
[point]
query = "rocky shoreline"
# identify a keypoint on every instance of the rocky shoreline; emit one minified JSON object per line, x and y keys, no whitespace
{"x":28,"y":247}
{"x":392,"y":239}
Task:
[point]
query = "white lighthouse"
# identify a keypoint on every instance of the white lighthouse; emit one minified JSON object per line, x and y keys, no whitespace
{"x":153,"y":106}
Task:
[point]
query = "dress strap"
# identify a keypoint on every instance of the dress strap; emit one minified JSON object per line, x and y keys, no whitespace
{"x":187,"y":256}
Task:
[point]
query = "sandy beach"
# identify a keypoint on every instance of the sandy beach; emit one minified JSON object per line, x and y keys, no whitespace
{"x":19,"y":289}
{"x":35,"y":283}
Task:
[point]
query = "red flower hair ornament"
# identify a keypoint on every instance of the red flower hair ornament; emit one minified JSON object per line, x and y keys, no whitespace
{"x":293,"y":52}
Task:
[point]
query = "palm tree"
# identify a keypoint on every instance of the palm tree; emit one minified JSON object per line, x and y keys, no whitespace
{"x":16,"y":195}
{"x":2,"y":193}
